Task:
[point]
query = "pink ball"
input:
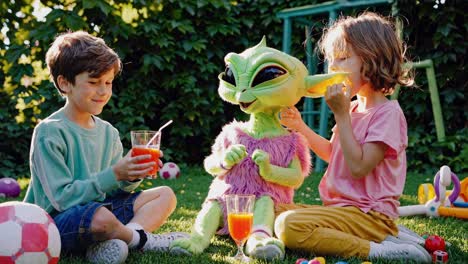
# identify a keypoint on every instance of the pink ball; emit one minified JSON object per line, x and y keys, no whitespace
{"x":170,"y":170}
{"x":9,"y":187}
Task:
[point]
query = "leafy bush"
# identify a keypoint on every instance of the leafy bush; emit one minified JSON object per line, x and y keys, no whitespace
{"x":172,"y":53}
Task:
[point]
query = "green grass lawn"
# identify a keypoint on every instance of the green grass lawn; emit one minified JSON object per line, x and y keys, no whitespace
{"x":192,"y":187}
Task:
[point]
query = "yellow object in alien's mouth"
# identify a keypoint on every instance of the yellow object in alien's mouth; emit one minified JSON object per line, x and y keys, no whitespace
{"x":320,"y":82}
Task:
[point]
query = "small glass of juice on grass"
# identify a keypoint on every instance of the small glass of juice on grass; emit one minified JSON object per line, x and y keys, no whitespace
{"x":240,"y":221}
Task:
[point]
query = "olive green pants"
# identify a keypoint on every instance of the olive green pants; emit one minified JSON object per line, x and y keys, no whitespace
{"x":331,"y":231}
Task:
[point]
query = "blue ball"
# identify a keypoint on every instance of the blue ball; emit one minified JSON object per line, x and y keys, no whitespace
{"x":341,"y":262}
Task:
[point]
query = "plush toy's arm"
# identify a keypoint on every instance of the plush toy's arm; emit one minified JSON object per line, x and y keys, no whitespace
{"x":212,"y":164}
{"x":218,"y":163}
{"x":290,"y":176}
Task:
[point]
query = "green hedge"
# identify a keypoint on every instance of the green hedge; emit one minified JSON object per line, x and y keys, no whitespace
{"x":172,"y":53}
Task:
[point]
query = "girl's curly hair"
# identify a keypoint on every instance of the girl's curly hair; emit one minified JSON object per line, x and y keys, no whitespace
{"x":375,"y":41}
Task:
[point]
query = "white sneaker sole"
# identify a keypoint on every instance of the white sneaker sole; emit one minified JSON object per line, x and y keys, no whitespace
{"x":116,"y":252}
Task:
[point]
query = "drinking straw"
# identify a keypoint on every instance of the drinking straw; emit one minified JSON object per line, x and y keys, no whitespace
{"x":157,"y":133}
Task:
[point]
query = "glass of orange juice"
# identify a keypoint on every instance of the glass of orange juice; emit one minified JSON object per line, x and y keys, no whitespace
{"x":144,"y":142}
{"x":240,"y":221}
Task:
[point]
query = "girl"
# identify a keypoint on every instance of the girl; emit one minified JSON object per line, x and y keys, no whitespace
{"x":366,"y":153}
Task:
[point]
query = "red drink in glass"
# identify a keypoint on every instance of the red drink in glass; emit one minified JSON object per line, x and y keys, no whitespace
{"x":136,"y":151}
{"x":240,"y":225}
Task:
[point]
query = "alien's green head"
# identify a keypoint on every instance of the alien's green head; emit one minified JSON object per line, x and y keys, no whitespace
{"x":263,"y":79}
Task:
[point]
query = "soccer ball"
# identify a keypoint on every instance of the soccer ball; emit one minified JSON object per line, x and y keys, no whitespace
{"x":170,"y":170}
{"x":28,"y":235}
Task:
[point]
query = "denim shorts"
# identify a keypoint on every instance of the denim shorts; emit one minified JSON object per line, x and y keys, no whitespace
{"x":74,"y":224}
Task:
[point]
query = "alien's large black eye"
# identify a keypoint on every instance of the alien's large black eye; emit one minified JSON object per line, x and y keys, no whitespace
{"x":228,"y":76}
{"x":268,"y":73}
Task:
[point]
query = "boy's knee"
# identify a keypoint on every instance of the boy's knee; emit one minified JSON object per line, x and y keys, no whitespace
{"x":284,"y":229}
{"x":161,"y":198}
{"x":104,"y":221}
{"x":169,"y":194}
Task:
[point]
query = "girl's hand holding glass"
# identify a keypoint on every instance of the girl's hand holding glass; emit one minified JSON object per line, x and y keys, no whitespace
{"x":338,"y":98}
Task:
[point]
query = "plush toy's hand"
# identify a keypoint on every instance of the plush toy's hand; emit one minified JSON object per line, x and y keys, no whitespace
{"x":262,"y":159}
{"x":290,"y":176}
{"x":233,"y":155}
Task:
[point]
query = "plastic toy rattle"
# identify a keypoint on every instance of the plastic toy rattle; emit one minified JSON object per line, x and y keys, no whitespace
{"x":426,"y":192}
{"x":439,"y":206}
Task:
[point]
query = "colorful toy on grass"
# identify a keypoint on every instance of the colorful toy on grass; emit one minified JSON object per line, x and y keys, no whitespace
{"x":316,"y":260}
{"x":302,"y":261}
{"x":440,"y":257}
{"x":434,"y":243}
{"x":27,"y":235}
{"x":9,"y":187}
{"x":170,"y":170}
{"x":440,"y":205}
{"x":344,"y":262}
{"x":260,"y":156}
{"x":464,"y":189}
{"x":426,"y":192}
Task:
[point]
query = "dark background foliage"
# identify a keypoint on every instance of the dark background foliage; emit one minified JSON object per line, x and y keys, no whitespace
{"x":173,"y":51}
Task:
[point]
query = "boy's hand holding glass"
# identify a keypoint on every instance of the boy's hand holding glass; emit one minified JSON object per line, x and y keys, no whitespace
{"x":145,"y":147}
{"x":144,"y":158}
{"x":131,"y":168}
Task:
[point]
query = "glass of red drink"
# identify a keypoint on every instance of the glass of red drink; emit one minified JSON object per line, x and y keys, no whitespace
{"x":144,"y":142}
{"x":240,"y":221}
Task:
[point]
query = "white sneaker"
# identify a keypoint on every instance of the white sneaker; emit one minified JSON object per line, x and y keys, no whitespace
{"x":112,"y":251}
{"x":161,"y":242}
{"x":399,"y":240}
{"x":402,"y":240}
{"x":400,"y":251}
{"x":406,"y":234}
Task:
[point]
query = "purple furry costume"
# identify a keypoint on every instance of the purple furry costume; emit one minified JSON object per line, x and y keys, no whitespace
{"x":243,"y":178}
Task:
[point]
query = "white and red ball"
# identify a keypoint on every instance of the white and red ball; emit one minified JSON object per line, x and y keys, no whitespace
{"x":28,"y":235}
{"x":170,"y":170}
{"x":9,"y":187}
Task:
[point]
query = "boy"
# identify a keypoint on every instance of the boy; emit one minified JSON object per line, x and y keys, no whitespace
{"x":78,"y":174}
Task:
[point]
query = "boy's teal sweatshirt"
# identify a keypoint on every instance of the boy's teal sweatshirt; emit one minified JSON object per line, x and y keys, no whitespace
{"x":71,"y":165}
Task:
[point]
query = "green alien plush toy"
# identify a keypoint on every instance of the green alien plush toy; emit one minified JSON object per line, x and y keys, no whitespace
{"x":259,"y":156}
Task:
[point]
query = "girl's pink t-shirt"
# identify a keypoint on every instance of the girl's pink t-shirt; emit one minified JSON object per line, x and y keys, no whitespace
{"x":382,"y":187}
